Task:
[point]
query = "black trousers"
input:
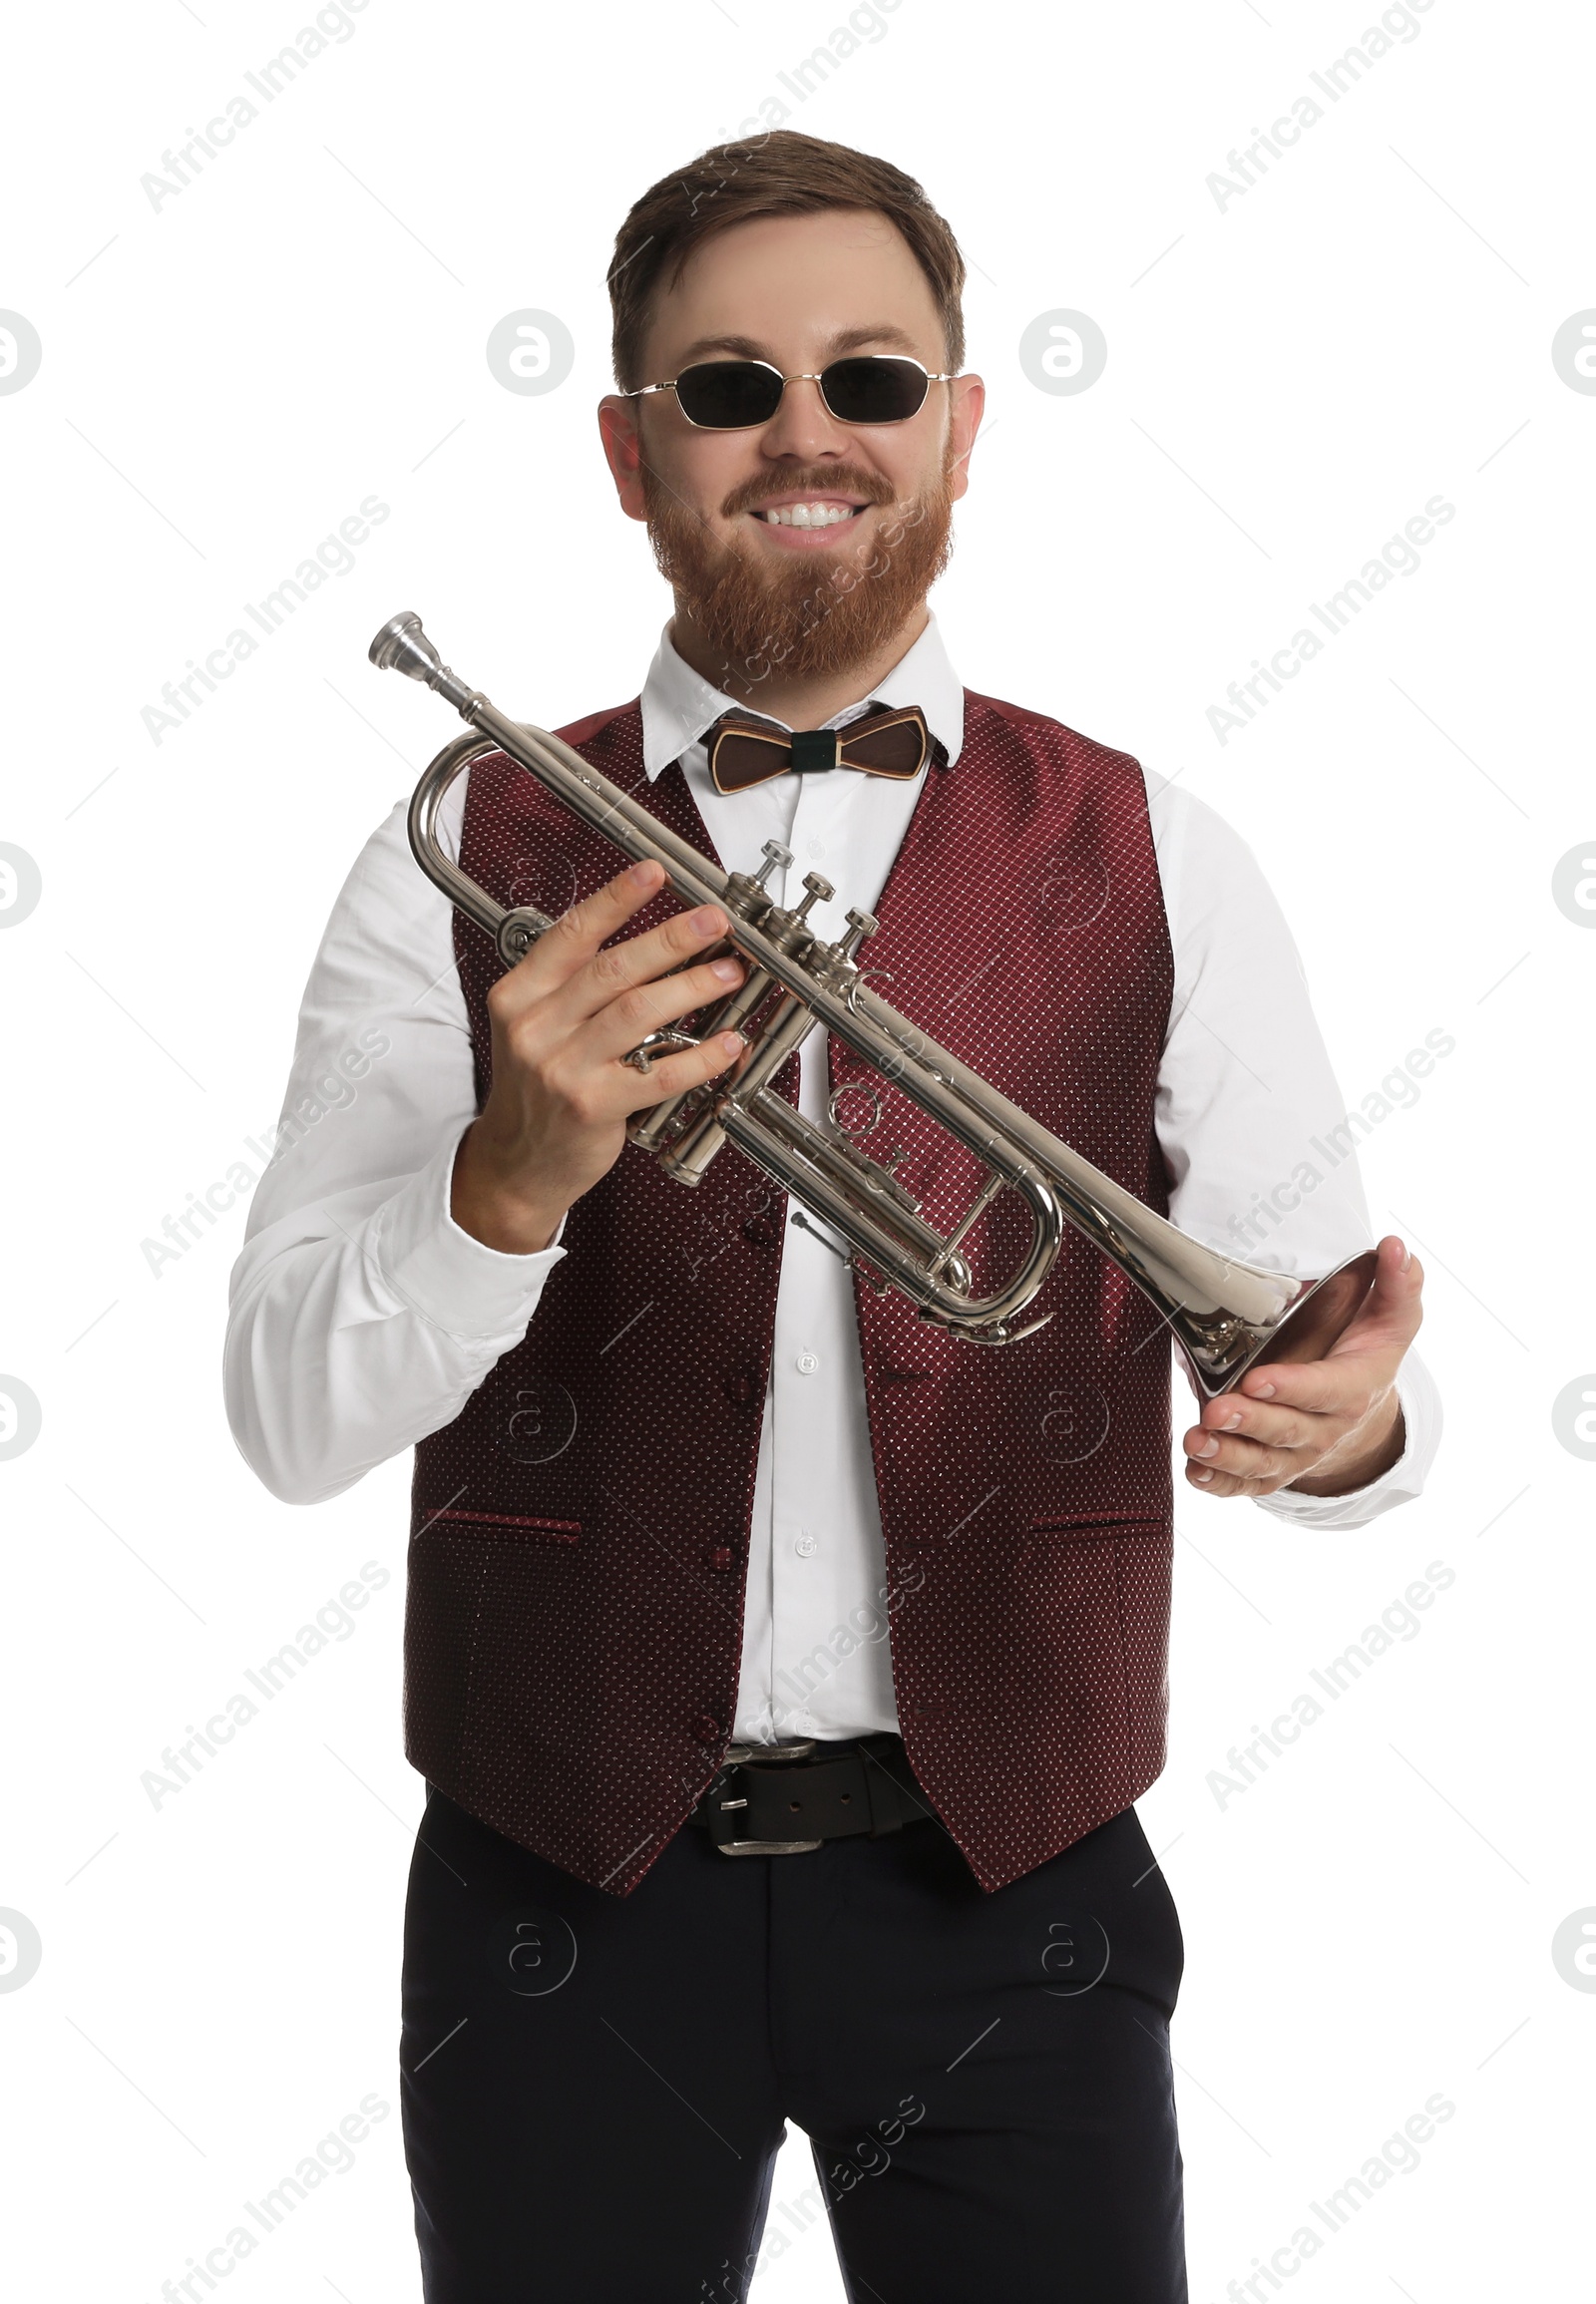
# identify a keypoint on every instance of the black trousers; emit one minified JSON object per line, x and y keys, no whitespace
{"x":595,"y":2089}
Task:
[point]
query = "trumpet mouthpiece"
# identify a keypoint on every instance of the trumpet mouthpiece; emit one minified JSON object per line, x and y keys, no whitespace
{"x":402,"y":646}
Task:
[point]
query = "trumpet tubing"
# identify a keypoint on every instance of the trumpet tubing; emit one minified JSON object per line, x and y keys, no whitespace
{"x":1225,"y":1316}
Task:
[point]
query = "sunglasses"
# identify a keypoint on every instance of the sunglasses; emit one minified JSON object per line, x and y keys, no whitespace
{"x":732,"y":394}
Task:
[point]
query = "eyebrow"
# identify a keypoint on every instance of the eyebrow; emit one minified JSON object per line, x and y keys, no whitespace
{"x":846,"y":340}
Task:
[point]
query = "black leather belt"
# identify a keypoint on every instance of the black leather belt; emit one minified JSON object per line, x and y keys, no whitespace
{"x":784,"y":1799}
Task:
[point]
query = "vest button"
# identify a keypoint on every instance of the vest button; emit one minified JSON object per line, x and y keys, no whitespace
{"x":706,"y":1729}
{"x":719,"y":1557}
{"x":761,"y":1232}
{"x":739,"y":1389}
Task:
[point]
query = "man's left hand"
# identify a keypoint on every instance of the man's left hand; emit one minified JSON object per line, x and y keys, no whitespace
{"x":1320,"y":1427}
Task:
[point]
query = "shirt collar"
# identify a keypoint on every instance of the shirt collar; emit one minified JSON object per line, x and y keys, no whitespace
{"x":679,"y":705}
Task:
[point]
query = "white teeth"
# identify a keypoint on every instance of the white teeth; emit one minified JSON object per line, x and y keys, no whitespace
{"x":808,"y":514}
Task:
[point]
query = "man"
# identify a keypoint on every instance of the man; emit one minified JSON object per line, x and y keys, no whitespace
{"x":683,"y":1479}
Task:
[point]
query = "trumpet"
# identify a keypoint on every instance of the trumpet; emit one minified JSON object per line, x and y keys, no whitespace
{"x":1225,"y":1316}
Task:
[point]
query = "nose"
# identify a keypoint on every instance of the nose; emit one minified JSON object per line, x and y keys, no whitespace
{"x":803,"y":427}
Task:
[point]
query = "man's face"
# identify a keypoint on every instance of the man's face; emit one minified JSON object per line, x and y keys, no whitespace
{"x":767,"y":595}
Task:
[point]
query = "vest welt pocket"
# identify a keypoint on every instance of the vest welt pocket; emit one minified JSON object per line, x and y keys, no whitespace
{"x":1085,"y":1526}
{"x":564,"y":1531}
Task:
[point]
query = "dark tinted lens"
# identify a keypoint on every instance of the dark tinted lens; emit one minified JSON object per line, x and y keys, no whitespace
{"x":874,"y":391}
{"x":725,"y":395}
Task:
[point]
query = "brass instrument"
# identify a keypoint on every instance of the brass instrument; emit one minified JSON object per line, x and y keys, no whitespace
{"x":1225,"y":1316}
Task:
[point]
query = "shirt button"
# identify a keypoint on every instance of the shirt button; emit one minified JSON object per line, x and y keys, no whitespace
{"x":706,"y":1729}
{"x":807,"y":1363}
{"x":807,"y":1546}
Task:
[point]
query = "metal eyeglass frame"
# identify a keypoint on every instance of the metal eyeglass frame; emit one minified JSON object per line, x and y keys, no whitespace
{"x":816,"y":377}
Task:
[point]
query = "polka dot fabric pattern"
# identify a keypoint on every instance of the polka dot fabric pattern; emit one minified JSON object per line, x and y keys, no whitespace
{"x":580,"y":1530}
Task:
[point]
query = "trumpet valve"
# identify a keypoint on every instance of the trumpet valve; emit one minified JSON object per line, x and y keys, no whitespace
{"x":748,"y":892}
{"x":777,"y":859}
{"x":860,"y":926}
{"x":818,"y":891}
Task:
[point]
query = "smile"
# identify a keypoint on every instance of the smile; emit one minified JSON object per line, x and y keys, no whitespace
{"x":820,"y":512}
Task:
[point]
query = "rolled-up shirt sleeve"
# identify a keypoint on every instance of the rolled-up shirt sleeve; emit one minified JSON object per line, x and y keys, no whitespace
{"x":361,"y":1316}
{"x":1258,"y":1143}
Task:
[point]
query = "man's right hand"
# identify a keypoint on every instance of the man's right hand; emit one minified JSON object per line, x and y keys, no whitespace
{"x":562,"y":1018}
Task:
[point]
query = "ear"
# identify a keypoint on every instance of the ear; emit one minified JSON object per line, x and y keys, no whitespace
{"x":968,"y":401}
{"x":617,"y":428}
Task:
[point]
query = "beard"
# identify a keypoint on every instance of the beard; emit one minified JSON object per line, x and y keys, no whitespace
{"x":794,"y":616}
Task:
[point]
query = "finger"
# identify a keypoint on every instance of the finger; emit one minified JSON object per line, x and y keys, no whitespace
{"x":1343,"y":1386}
{"x":626,"y":1021}
{"x":1393,"y":1307}
{"x":1365,"y":1357}
{"x":1389,"y":1317}
{"x":1251,"y":1460}
{"x":1211,"y":1483}
{"x":1274,"y":1423}
{"x":669,"y":1077}
{"x":579,"y":931}
{"x":639,"y":960}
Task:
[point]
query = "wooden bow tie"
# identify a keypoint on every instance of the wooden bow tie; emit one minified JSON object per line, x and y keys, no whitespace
{"x":744,"y":751}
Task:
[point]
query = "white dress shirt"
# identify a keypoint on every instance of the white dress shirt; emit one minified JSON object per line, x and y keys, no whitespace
{"x":363,"y":1317}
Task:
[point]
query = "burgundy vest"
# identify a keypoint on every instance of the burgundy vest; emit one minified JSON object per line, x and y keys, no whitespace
{"x":580,"y":1531}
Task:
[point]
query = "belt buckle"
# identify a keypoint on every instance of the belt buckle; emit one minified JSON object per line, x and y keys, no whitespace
{"x":740,"y":1755}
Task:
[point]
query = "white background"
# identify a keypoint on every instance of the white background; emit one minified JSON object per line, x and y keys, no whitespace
{"x":1289,"y":380}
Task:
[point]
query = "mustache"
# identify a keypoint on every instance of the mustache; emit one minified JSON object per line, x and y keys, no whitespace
{"x":818,"y":479}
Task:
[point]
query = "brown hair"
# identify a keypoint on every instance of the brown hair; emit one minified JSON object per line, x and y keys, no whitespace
{"x":780,"y":173}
